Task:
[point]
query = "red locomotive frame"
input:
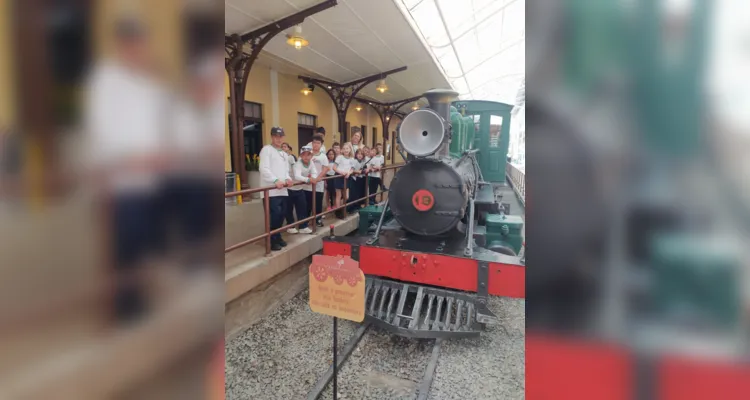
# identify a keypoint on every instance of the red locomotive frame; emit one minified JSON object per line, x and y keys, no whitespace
{"x":507,"y":279}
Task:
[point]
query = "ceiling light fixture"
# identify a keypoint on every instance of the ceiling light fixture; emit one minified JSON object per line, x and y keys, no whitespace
{"x":382,"y":87}
{"x":358,"y":107}
{"x":297,"y":40}
{"x":307,"y":89}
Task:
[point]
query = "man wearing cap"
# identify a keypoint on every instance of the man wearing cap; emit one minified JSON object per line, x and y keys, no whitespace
{"x":322,"y":132}
{"x":304,"y":171}
{"x":274,"y":171}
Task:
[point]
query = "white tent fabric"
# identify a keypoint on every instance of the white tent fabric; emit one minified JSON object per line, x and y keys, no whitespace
{"x":479,"y":44}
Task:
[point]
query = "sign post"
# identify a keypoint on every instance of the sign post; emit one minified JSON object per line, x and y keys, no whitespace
{"x":337,"y":288}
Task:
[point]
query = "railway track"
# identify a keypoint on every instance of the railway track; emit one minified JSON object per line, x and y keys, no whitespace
{"x":423,"y":390}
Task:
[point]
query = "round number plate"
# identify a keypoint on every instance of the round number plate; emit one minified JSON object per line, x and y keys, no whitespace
{"x":423,"y":200}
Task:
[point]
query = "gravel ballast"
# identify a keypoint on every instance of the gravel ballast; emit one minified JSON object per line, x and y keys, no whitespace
{"x":283,"y":355}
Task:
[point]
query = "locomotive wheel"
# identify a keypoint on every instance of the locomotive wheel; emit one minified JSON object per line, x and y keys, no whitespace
{"x":503,"y":250}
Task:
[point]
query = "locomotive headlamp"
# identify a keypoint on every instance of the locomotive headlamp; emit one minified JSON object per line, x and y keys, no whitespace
{"x":422,"y":132}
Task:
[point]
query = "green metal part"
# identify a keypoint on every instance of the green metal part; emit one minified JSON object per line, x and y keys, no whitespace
{"x":663,"y":58}
{"x":492,"y":157}
{"x":458,"y":145}
{"x":370,"y":215}
{"x":696,"y":279}
{"x":506,"y":230}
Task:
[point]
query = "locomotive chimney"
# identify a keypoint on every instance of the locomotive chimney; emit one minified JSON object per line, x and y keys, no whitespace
{"x":440,"y":101}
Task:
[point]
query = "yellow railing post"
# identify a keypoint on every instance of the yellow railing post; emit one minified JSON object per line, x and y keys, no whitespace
{"x":238,"y":187}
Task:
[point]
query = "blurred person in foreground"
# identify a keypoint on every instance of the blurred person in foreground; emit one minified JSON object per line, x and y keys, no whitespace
{"x":124,"y":127}
{"x":274,"y":171}
{"x":194,"y":175}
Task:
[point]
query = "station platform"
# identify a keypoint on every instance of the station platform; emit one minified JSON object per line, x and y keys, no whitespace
{"x":251,"y":289}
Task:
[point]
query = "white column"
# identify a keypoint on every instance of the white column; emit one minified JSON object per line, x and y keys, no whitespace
{"x":366,"y":134}
{"x":275,"y":98}
{"x":335,"y":123}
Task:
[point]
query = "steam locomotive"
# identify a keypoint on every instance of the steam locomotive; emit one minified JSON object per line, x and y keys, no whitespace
{"x":446,"y":237}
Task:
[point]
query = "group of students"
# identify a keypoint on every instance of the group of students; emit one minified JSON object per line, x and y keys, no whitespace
{"x":279,"y":167}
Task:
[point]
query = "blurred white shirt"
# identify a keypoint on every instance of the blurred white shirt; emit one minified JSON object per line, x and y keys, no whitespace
{"x":376,"y":161}
{"x":197,"y":135}
{"x":124,"y":122}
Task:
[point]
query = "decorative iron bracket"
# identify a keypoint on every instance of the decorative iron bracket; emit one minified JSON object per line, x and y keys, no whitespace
{"x":386,"y":111}
{"x":239,"y":63}
{"x":342,"y":94}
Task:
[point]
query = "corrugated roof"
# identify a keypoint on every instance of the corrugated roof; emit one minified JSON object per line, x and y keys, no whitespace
{"x":479,"y":44}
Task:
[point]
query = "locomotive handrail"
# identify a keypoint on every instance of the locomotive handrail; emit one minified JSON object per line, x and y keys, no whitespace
{"x":266,"y":206}
{"x":517,"y":179}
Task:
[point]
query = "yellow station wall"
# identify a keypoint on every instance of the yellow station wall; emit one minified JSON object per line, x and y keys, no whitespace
{"x":290,"y":102}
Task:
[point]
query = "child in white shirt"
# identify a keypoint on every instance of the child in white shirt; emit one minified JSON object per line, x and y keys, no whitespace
{"x":373,"y":167}
{"x":357,"y":188}
{"x":304,"y":171}
{"x":343,"y":165}
{"x":320,"y":159}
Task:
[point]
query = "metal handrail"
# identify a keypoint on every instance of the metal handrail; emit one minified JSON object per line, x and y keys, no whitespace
{"x":267,"y":219}
{"x":517,"y":179}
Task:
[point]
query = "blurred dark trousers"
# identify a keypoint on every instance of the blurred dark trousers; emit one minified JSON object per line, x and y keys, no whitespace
{"x":296,"y":203}
{"x":374,"y":185}
{"x":134,"y":227}
{"x":277,"y":205}
{"x":318,"y":203}
{"x":190,"y":204}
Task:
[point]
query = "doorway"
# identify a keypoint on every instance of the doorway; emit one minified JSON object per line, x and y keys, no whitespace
{"x":253,"y":137}
{"x":306,"y":125}
{"x":252,"y":132}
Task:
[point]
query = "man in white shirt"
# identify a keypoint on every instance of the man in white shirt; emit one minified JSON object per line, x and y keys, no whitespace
{"x":320,"y":159}
{"x":125,"y":111}
{"x":320,"y":131}
{"x":274,"y":170}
